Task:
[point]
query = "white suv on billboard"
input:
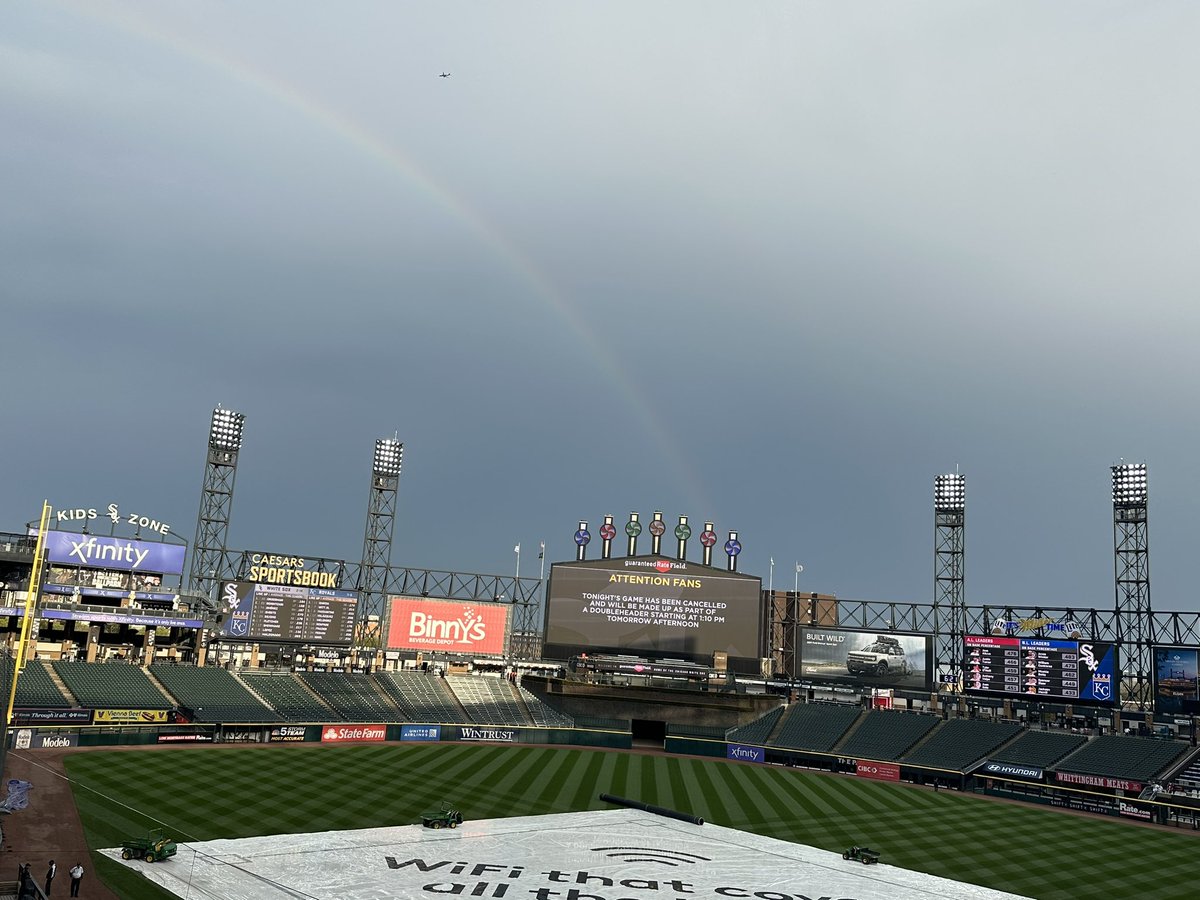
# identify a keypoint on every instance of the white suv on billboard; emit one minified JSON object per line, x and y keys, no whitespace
{"x":882,"y":657}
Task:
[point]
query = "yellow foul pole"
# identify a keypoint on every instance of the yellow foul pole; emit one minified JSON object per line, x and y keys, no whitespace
{"x":31,"y":593}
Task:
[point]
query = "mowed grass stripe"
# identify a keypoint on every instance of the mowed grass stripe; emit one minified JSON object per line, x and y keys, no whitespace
{"x":1028,"y":850}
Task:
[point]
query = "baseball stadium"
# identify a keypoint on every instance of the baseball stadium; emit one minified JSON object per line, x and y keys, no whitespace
{"x":187,"y":719}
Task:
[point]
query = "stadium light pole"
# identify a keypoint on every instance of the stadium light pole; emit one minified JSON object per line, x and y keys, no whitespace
{"x":377,"y":542}
{"x":1131,"y":569}
{"x":225,"y":432}
{"x":949,"y":528}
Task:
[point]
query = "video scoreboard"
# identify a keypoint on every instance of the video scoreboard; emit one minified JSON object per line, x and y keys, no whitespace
{"x":1041,"y":667}
{"x":277,"y":612}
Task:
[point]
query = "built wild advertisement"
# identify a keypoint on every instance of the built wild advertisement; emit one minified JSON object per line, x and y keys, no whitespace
{"x":649,"y":605}
{"x":879,"y":657}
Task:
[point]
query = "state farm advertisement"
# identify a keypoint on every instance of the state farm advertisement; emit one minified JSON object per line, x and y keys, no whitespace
{"x":352,"y":734}
{"x":882,"y":771}
{"x":419,"y":624}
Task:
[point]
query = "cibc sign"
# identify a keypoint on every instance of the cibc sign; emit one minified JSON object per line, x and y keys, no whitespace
{"x":880,"y":771}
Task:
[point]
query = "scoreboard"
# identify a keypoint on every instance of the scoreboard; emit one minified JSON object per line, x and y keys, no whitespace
{"x":1039,"y":667}
{"x":278,"y":612}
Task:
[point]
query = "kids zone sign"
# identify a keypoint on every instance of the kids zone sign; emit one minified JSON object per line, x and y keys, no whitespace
{"x":446,"y":625}
{"x":90,"y":551}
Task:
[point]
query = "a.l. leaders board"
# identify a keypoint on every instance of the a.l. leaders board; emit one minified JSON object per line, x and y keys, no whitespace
{"x":652,"y":606}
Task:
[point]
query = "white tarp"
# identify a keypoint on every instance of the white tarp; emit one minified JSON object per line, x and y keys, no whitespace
{"x":614,"y":855}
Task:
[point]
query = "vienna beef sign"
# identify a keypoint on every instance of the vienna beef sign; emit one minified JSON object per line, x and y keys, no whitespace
{"x":353,"y":734}
{"x":419,"y":624}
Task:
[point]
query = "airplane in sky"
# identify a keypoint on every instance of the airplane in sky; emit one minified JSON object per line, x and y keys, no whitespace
{"x":444,"y":75}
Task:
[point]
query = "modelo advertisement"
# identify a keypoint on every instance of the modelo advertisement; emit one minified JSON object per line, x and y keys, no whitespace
{"x":649,"y":605}
{"x":1176,"y":689}
{"x":92,"y":552}
{"x":892,"y":658}
{"x":453,"y":627}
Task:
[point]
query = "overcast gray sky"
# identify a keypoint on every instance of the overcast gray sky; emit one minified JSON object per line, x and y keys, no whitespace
{"x":774,"y":265}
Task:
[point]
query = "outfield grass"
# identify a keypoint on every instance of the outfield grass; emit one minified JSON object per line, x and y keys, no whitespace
{"x":208,"y":793}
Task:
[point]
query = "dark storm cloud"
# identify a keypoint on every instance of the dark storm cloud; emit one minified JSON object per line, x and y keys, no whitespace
{"x":774,"y":266}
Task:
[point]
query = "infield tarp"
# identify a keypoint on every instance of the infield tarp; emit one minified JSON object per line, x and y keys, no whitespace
{"x":613,"y":855}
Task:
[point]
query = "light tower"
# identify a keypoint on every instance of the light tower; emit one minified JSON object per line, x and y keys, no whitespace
{"x":949,"y":609}
{"x":377,"y":542}
{"x":216,"y":501}
{"x":1131,"y":567}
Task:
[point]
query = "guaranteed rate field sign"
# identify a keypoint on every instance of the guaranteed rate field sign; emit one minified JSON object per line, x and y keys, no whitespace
{"x":652,"y":605}
{"x":612,"y":855}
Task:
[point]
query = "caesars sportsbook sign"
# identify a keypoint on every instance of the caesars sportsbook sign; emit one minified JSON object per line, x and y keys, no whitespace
{"x":454,"y":627}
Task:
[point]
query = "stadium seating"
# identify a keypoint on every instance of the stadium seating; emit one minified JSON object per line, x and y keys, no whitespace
{"x":289,"y":696}
{"x":758,"y":731}
{"x":887,"y":734}
{"x":422,"y":697}
{"x":542,"y":713}
{"x":488,"y":701}
{"x":354,"y":696}
{"x":1039,"y":748}
{"x":815,"y":726}
{"x":1132,"y":758}
{"x":961,"y":742}
{"x":111,"y":685}
{"x":35,"y":687}
{"x":212,"y":694}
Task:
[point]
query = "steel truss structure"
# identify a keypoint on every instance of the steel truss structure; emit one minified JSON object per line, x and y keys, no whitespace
{"x":216,"y":502}
{"x":1131,"y":567}
{"x":949,"y":529}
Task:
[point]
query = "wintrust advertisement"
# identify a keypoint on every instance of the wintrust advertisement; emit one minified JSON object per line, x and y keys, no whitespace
{"x":419,"y":624}
{"x":352,"y":734}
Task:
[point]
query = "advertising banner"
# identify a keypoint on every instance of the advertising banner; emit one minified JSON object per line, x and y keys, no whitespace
{"x":891,"y":658}
{"x":86,"y":615}
{"x":94,"y":552}
{"x":420,"y":624}
{"x":240,"y":736}
{"x":745,"y":754}
{"x":1102,"y":781}
{"x":1099,"y":805}
{"x":881,"y":771}
{"x":1133,"y":811}
{"x":420,"y":732}
{"x":286,"y":734}
{"x":1011,"y":770}
{"x":352,"y":734}
{"x":1176,"y":685}
{"x":53,"y":740}
{"x":490,"y":735}
{"x":190,"y":737}
{"x":52,"y":717}
{"x":652,"y":605}
{"x":129,"y":716}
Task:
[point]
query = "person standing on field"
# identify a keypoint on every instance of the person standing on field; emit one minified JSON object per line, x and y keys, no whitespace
{"x":76,"y":877}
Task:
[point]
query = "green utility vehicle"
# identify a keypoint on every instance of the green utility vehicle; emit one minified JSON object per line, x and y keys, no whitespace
{"x":865,"y":855}
{"x":447,"y":817}
{"x":155,"y":847}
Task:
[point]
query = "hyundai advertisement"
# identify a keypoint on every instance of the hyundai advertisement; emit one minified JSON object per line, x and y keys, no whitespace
{"x":652,"y":606}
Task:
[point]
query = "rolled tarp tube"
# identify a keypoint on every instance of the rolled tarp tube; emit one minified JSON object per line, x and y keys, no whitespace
{"x":656,"y":810}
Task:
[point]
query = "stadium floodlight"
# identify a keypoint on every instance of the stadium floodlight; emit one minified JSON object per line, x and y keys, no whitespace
{"x":225,"y":432}
{"x":1129,"y":484}
{"x":950,"y":493}
{"x":389,"y":456}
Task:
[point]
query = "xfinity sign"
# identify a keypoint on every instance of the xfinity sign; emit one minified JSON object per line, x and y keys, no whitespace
{"x":92,"y":552}
{"x":745,"y":754}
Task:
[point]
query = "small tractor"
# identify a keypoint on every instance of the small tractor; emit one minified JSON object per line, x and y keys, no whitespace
{"x":447,"y":817}
{"x":155,"y":847}
{"x":865,"y":855}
